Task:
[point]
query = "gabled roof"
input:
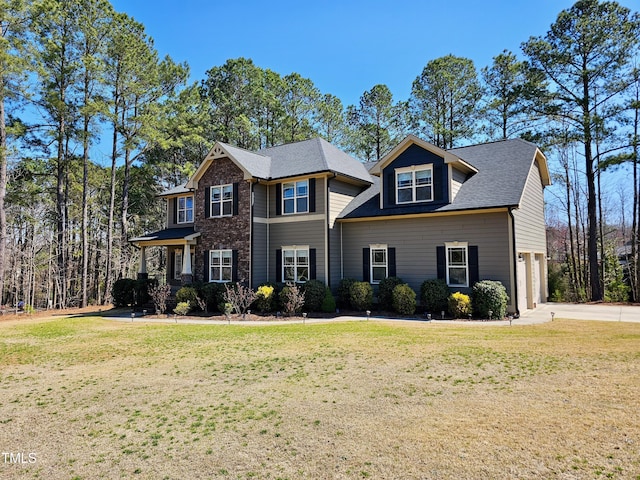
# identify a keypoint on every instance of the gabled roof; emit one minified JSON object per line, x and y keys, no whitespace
{"x":502,"y":171}
{"x":313,"y":156}
{"x":166,"y":235}
{"x":177,"y":190}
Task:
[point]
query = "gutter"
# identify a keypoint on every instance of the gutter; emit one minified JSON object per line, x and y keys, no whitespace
{"x":514,"y":287}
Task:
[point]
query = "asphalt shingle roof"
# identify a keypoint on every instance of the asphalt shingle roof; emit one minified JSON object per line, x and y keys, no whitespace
{"x":503,"y":168}
{"x":166,"y":234}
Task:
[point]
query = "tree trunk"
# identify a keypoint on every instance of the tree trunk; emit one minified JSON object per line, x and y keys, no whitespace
{"x":3,"y":194}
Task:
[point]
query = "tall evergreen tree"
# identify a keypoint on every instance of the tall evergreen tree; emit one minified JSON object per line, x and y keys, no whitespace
{"x":584,"y":56}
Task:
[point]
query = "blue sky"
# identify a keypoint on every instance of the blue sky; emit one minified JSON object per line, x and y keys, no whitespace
{"x":345,"y":47}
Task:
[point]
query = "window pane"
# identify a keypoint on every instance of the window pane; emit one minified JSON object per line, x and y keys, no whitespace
{"x":289,"y":273}
{"x":215,"y":210}
{"x":379,"y":273}
{"x":288,"y":257}
{"x":227,"y":192}
{"x":226,"y":274}
{"x":226,"y":257}
{"x":215,"y":273}
{"x":302,"y":257}
{"x":181,"y":217}
{"x":457,"y":276}
{"x":215,"y":258}
{"x":379,"y":257}
{"x":405,"y":179}
{"x":301,"y":205}
{"x":181,"y":203}
{"x":215,"y":194}
{"x":189,"y":216}
{"x":226,"y":208}
{"x":288,"y":190}
{"x":457,"y":256}
{"x":189,"y":203}
{"x":423,"y":193}
{"x":423,"y":177}
{"x":303,"y":274}
{"x":302,"y":188}
{"x":289,"y":206}
{"x":404,"y":195}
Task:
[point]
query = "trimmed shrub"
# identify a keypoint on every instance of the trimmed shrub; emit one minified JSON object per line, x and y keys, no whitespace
{"x":385,"y":292}
{"x":361,"y":296}
{"x":344,"y":292}
{"x":490,"y":295}
{"x":459,"y":305}
{"x":404,"y":299}
{"x":123,"y":291}
{"x":434,"y":295}
{"x":182,"y":308}
{"x":314,"y":292}
{"x":213,"y":294}
{"x":187,"y":294}
{"x":329,"y":303}
{"x":265,"y":296}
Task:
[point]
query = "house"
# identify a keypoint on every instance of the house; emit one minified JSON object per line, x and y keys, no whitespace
{"x":309,"y":211}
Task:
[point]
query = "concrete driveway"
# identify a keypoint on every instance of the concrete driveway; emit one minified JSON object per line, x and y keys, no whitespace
{"x":581,"y":311}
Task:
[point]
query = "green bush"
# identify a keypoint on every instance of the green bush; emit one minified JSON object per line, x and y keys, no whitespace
{"x":459,"y":305}
{"x":434,"y":295}
{"x":385,"y":292}
{"x":361,"y":296}
{"x":182,"y":308}
{"x":403,"y":299}
{"x":314,"y":292}
{"x":329,"y":303}
{"x":213,"y":294}
{"x":489,"y":295}
{"x":123,"y":292}
{"x":344,"y":293}
{"x":187,"y":294}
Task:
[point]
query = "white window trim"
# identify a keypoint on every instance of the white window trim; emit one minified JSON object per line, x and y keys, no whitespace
{"x":295,"y":248}
{"x":449,"y":245}
{"x":185,"y":209}
{"x":295,"y":197}
{"x":371,"y":265}
{"x":413,"y":169}
{"x":219,"y":253}
{"x":221,"y":201}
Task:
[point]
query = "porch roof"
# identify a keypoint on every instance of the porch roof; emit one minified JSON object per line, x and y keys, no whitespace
{"x":168,"y":236}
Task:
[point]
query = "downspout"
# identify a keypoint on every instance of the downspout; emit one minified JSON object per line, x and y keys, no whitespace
{"x":250,"y":285}
{"x":514,"y":253}
{"x":327,"y":258}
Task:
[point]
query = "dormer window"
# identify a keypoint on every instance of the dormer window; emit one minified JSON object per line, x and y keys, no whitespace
{"x":185,"y":209}
{"x":414,"y":184}
{"x":295,"y":197}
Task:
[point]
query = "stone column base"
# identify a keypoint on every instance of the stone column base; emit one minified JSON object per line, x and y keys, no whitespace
{"x":187,"y":279}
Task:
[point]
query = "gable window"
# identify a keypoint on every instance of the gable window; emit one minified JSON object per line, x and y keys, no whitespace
{"x":220,"y":265}
{"x":295,"y":197}
{"x":185,"y":209}
{"x":457,"y":266}
{"x":221,"y":200}
{"x":295,"y":264}
{"x":414,"y":184}
{"x":379,"y":264}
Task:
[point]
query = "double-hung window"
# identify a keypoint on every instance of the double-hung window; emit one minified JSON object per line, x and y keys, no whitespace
{"x":457,"y":264}
{"x":185,"y":209}
{"x":295,"y":264}
{"x":295,"y":197}
{"x":379,"y":264}
{"x":220,"y":265}
{"x":414,"y":184}
{"x":222,"y":200}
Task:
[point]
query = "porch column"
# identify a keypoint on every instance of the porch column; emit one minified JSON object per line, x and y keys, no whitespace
{"x":187,"y":275}
{"x":142,"y":272}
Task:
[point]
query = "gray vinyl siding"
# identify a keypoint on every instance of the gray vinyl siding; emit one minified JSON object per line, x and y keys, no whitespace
{"x":415,"y":241}
{"x":530,"y":230}
{"x":340,"y":195}
{"x":457,"y":179}
{"x":260,"y":200}
{"x":320,"y":199}
{"x":171,"y":206}
{"x":259,"y":254}
{"x":311,"y":233}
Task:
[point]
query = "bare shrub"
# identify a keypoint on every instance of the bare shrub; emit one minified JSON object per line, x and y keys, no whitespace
{"x":160,"y":295}
{"x":240,"y":297}
{"x":292,"y":298}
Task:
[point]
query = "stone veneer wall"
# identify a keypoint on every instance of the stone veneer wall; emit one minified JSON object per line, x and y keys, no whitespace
{"x":224,"y":232}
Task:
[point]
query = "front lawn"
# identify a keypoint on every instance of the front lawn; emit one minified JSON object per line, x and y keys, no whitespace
{"x":88,"y":398}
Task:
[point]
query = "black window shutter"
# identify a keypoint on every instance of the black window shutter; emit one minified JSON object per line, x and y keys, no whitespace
{"x":474,"y":271}
{"x":278,"y":199}
{"x":439,"y":183}
{"x":391,"y":261}
{"x":236,"y":188}
{"x":172,"y":267}
{"x":441,"y":262}
{"x":312,"y":263}
{"x":175,"y":210}
{"x":206,"y":266}
{"x":234,"y":265}
{"x":312,"y":195}
{"x":279,"y":265}
{"x":366,"y":259}
{"x":391,"y":188}
{"x":207,"y":202}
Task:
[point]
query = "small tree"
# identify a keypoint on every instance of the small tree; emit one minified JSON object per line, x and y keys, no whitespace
{"x":292,"y":299}
{"x":160,"y":295}
{"x":240,"y":296}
